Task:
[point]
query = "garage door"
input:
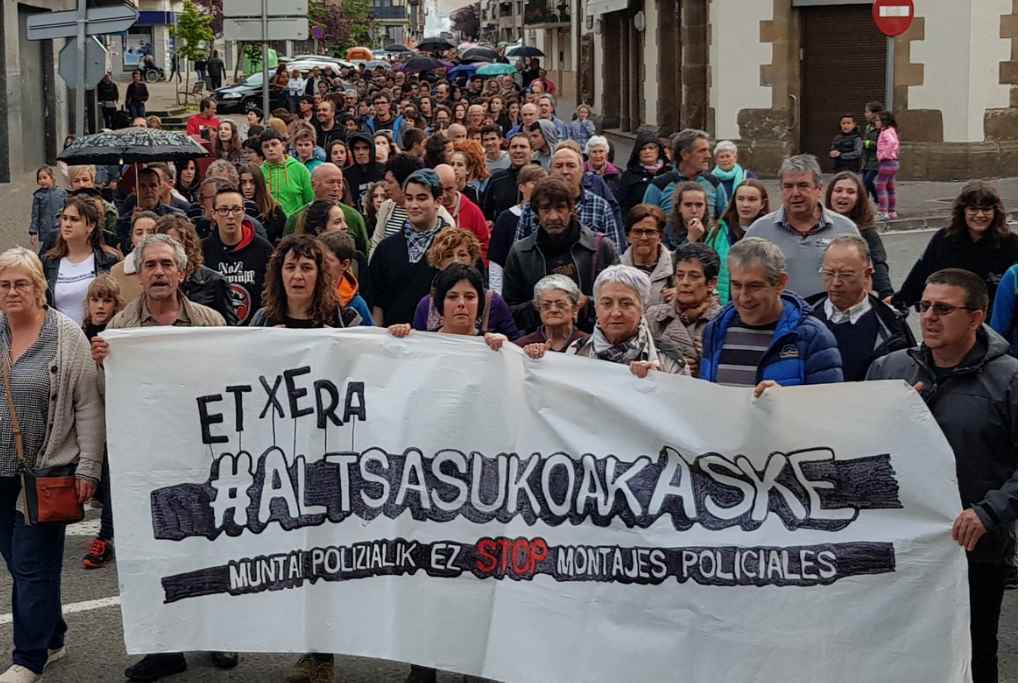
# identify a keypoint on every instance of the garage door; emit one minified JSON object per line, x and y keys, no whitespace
{"x":843,"y":67}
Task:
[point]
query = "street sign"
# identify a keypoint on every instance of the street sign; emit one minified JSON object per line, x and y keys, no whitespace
{"x":278,"y":28}
{"x":95,"y":63}
{"x":275,"y":8}
{"x":99,"y":20}
{"x":893,"y":17}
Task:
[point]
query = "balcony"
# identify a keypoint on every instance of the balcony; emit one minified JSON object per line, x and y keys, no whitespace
{"x":397,"y":13}
{"x":549,"y":13}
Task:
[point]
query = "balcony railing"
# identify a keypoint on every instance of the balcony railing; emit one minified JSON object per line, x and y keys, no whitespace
{"x":378,"y":12}
{"x":546,"y":12}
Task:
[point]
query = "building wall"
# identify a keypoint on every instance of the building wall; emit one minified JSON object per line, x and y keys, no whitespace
{"x":963,"y":82}
{"x":736,"y":58}
{"x":33,"y":109}
{"x":652,"y":55}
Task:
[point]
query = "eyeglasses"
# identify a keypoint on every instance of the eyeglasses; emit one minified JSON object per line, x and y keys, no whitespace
{"x":555,"y":305}
{"x":981,"y":209}
{"x":846,"y":277}
{"x":17,"y":285}
{"x":228,"y":210}
{"x":941,"y":309}
{"x":644,"y":234}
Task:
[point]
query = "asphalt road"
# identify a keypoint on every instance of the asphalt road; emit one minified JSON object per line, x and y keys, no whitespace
{"x":91,"y":600}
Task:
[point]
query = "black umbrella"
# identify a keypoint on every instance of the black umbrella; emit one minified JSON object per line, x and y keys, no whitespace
{"x":436,"y":43}
{"x":479,"y":54}
{"x":397,"y":48}
{"x":132,"y":145}
{"x":421,"y":64}
{"x":523,"y":51}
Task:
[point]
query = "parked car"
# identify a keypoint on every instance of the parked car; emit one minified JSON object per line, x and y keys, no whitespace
{"x":248,"y":95}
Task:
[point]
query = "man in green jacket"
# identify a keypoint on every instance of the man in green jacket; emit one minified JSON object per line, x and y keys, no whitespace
{"x":286,"y":177}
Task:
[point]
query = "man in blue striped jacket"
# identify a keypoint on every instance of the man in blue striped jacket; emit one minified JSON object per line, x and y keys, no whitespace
{"x":766,"y":335}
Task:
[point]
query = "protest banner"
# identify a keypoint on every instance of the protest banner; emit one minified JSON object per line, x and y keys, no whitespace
{"x":429,"y":500}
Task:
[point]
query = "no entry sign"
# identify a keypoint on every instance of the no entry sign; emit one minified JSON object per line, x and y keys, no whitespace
{"x":893,"y":17}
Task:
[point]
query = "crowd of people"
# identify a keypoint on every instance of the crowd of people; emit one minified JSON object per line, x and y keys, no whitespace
{"x":469,"y":208}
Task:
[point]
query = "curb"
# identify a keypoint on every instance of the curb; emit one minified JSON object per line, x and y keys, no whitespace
{"x":927,"y":222}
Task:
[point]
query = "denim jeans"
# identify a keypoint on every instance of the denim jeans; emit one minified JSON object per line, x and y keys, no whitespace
{"x":34,"y":555}
{"x":135,"y":109}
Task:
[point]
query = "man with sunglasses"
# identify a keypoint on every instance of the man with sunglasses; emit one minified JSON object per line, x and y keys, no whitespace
{"x":865,"y":328}
{"x":969,"y":381}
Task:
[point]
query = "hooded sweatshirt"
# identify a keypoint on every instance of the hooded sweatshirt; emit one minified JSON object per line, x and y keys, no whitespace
{"x":361,"y":177}
{"x":636,"y":178}
{"x":550,"y":131}
{"x":243,"y":265}
{"x":289,"y":183}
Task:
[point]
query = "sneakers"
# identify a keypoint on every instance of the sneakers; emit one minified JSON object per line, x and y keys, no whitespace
{"x":310,"y":669}
{"x":19,"y":674}
{"x":55,"y":655}
{"x":155,"y":667}
{"x":99,"y":553}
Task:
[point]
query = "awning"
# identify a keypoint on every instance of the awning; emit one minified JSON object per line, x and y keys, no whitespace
{"x":598,"y":7}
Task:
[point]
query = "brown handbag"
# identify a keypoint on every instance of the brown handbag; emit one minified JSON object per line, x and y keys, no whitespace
{"x":51,"y":493}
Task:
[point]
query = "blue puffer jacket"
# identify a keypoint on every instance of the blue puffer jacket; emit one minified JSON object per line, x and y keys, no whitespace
{"x":803,"y":351}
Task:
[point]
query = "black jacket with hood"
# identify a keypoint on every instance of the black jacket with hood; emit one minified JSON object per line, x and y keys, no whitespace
{"x":636,"y":178}
{"x":976,"y":408}
{"x":361,"y":177}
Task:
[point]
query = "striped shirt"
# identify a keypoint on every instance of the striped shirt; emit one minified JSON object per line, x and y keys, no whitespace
{"x":742,"y":350}
{"x":30,"y":389}
{"x":396,"y":221}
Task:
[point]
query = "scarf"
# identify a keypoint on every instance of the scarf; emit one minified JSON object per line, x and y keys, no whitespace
{"x":654,"y":169}
{"x":625,"y":352}
{"x":731,"y":177}
{"x":419,"y":241}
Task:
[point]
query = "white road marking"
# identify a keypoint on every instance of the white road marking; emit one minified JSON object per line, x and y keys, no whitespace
{"x":914,"y":231}
{"x":86,"y":606}
{"x":88,"y":527}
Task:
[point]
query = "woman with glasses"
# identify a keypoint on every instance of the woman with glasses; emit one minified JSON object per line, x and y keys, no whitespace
{"x":558,"y":301}
{"x":645,"y":226}
{"x":978,"y":240}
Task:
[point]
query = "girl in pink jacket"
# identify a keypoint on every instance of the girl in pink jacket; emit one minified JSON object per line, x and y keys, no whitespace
{"x":888,"y":166}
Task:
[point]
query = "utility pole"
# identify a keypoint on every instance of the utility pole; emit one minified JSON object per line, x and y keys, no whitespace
{"x":83,"y":17}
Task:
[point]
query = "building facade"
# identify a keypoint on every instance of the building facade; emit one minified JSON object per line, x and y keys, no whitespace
{"x":555,"y":27}
{"x":34,"y":104}
{"x":501,"y":21}
{"x":775,"y":76}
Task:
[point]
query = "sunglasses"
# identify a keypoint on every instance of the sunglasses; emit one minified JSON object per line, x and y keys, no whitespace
{"x":941,"y":309}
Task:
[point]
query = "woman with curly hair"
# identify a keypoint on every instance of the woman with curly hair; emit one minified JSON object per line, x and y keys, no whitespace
{"x":453,"y":245}
{"x":254,"y":189}
{"x":299,"y":291}
{"x":372,"y":201}
{"x":847,"y":195}
{"x":470,"y":166}
{"x":202,"y":285}
{"x":977,"y":240}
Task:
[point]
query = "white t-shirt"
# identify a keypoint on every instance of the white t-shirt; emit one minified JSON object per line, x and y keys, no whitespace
{"x":73,"y":280}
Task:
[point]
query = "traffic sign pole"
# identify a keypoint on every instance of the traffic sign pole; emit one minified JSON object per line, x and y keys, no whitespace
{"x":890,"y":71}
{"x":266,"y":61}
{"x":83,"y":12}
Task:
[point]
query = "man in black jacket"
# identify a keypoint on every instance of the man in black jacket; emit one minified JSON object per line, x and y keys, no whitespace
{"x":864,"y":327}
{"x":965,"y":375}
{"x":560,"y":246}
{"x":503,"y":188}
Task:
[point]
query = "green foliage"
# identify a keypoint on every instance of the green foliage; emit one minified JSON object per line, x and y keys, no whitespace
{"x":193,"y":32}
{"x":344,"y":24}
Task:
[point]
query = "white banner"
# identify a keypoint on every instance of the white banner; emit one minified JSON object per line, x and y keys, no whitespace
{"x":429,"y":500}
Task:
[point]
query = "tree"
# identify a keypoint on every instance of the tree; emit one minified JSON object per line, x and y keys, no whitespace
{"x":466,"y":20}
{"x":345,"y":23}
{"x":215,"y":8}
{"x":193,"y":35}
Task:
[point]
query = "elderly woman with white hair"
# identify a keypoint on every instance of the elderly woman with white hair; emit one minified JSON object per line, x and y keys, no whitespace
{"x":597,"y":150}
{"x":51,"y":417}
{"x":726,"y":169}
{"x":558,"y":300}
{"x":621,"y":334}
